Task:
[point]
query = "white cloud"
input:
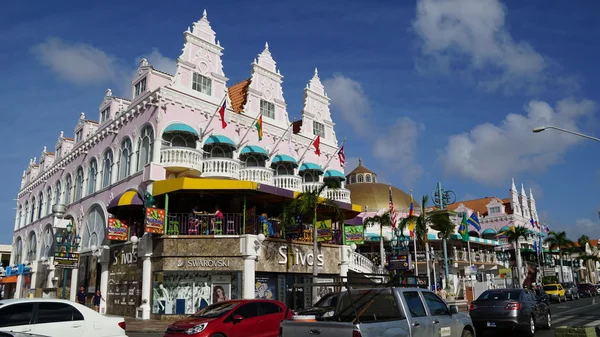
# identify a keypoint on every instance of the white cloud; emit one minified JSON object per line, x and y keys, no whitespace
{"x":398,"y":146}
{"x":351,"y":164}
{"x":454,"y":30}
{"x":348,"y":97}
{"x":582,"y":226}
{"x":160,"y":62}
{"x":491,"y":154}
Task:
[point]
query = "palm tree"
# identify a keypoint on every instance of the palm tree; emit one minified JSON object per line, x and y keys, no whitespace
{"x":306,"y":205}
{"x":383,"y":220}
{"x":514,"y":235}
{"x":561,"y":241}
{"x":584,"y":241}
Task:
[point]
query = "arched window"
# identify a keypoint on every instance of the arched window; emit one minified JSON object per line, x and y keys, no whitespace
{"x":25,"y":215}
{"x":255,"y":161}
{"x":68,"y":188}
{"x":353,"y":179}
{"x":374,"y":179}
{"x":18,"y":252}
{"x":310,"y":177}
{"x":49,"y":200}
{"x":93,"y":176}
{"x":31,"y":247}
{"x":58,"y":193}
{"x":368,"y":178}
{"x":32,"y":213}
{"x":40,"y":206}
{"x":145,"y":147}
{"x":79,"y":184}
{"x":283,"y":170}
{"x":19,"y":215}
{"x":47,"y":242}
{"x":93,"y":228}
{"x":125,"y":159}
{"x":107,"y":168}
{"x":360,"y":178}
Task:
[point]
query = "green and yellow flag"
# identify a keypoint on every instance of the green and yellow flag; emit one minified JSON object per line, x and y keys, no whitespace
{"x":259,"y":127}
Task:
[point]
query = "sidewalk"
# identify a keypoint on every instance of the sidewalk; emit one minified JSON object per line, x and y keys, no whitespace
{"x":149,"y":325}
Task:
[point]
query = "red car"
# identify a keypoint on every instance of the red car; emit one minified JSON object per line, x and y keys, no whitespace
{"x":248,"y":318}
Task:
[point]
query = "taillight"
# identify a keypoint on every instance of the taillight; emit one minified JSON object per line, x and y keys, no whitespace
{"x":513,"y":306}
{"x":472,"y":307}
{"x":356,"y":333}
{"x":122,"y":325}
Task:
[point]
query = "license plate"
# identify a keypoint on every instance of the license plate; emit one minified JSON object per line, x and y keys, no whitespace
{"x":491,"y":324}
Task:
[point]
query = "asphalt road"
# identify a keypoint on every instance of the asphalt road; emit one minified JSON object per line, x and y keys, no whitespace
{"x":582,"y":312}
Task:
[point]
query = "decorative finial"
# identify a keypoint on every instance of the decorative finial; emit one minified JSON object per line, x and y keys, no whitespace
{"x":218,"y":43}
{"x":255,"y":61}
{"x":62,"y":134}
{"x":204,"y":15}
{"x":188,"y":30}
{"x":266,"y":45}
{"x":359,"y":162}
{"x":316,"y":71}
{"x":30,"y":161}
{"x":82,"y":115}
{"x":143,"y":62}
{"x":34,"y":160}
{"x":44,"y":150}
{"x":108,"y":92}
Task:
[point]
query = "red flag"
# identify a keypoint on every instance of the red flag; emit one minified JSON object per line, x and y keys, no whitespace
{"x":222,"y":114}
{"x":342,"y":156}
{"x":317,"y":145}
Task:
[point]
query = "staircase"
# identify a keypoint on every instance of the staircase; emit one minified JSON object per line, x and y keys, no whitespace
{"x":361,"y":264}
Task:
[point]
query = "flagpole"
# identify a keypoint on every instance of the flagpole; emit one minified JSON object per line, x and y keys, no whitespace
{"x":248,"y":131}
{"x":541,"y":247}
{"x":415,"y":240}
{"x":308,"y":147}
{"x":470,"y":263}
{"x":213,"y":116}
{"x":280,"y":139}
{"x":336,"y":152}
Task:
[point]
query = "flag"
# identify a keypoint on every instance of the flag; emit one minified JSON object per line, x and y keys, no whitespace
{"x":222,"y":113}
{"x":474,"y":221}
{"x":464,"y":228}
{"x":532,"y":223}
{"x":342,"y":156}
{"x":259,"y":127}
{"x":317,"y":145}
{"x":392,"y":211}
{"x":546,"y":228}
{"x":535,"y":247}
{"x":411,"y":212}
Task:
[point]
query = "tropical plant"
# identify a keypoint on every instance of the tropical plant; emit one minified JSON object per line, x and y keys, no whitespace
{"x":583,"y":241}
{"x":383,"y":220}
{"x":560,"y":241}
{"x":514,"y":235}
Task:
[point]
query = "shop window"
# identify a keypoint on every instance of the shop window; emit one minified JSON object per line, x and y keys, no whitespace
{"x":49,"y":312}
{"x":16,"y":314}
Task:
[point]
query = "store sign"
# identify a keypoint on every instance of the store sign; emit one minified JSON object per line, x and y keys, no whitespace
{"x":203,"y":263}
{"x":66,"y":260}
{"x":155,"y":220}
{"x":123,"y":257}
{"x":117,"y":229}
{"x":300,"y":258}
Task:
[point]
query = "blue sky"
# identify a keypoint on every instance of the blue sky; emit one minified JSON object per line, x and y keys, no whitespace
{"x":424,"y":91}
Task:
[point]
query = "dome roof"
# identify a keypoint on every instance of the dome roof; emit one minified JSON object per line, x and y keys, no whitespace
{"x":360,"y":169}
{"x":376,"y":196}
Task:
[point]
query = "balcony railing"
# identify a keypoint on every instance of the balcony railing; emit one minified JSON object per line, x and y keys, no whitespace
{"x":260,"y":175}
{"x":182,"y":158}
{"x":221,"y":168}
{"x":309,"y":187}
{"x":337,"y":194}
{"x":289,"y":182}
{"x":230,"y":224}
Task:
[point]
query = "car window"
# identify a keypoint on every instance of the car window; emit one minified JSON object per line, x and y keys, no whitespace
{"x":370,"y":305}
{"x":216,"y":310}
{"x":247,"y":310}
{"x":437,"y":307}
{"x":550,"y":288}
{"x":499,"y":295}
{"x":52,"y":312}
{"x":414,"y":304}
{"x":268,"y":308}
{"x":16,"y":314}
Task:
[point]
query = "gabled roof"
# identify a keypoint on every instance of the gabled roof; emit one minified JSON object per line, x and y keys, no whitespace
{"x":238,"y":94}
{"x":477,"y":205}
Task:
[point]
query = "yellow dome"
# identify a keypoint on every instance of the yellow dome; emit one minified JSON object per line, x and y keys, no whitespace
{"x":376,"y":196}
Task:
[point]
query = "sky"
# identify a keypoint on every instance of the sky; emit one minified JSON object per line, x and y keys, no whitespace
{"x":424,"y":91}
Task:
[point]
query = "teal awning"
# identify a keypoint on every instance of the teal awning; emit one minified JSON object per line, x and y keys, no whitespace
{"x":285,"y":159}
{"x":489,"y":231}
{"x":334,"y":174}
{"x":310,"y":166}
{"x":254,"y":149}
{"x":503,"y":229}
{"x":180,"y":127}
{"x":218,"y":139}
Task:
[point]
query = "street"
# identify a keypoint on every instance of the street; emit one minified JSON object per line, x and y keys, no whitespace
{"x":582,"y":312}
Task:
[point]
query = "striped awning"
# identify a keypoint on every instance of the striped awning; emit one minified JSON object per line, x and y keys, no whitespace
{"x":129,"y":198}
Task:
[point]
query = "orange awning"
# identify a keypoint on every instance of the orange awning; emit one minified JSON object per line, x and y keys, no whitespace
{"x":9,"y":279}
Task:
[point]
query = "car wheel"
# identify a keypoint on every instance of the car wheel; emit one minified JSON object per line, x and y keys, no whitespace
{"x":559,"y":299}
{"x":531,"y":327}
{"x":572,"y":297}
{"x":466,"y":333}
{"x":548,"y":325}
{"x":218,"y":335}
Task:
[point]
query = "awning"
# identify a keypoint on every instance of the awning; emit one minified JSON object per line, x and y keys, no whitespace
{"x":218,"y":139}
{"x":488,"y":231}
{"x":334,"y":174}
{"x":503,"y":229}
{"x":9,"y":279}
{"x":180,"y":127}
{"x":254,"y":149}
{"x":129,"y":198}
{"x":285,"y":159}
{"x":311,"y":166}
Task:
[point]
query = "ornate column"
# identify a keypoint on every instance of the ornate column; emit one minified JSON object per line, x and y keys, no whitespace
{"x":145,"y":252}
{"x":250,"y":245}
{"x":104,"y":261}
{"x":345,"y":255}
{"x":74,"y":276}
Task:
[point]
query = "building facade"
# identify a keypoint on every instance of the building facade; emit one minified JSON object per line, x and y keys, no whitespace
{"x":184,"y":129}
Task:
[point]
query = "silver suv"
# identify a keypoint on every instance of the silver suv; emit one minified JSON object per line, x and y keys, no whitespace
{"x":571,"y":290}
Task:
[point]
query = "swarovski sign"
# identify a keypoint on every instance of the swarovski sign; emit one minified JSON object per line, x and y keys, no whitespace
{"x":192,"y":263}
{"x":300,"y":258}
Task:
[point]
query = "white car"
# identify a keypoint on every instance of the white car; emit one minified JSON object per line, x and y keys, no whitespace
{"x":57,"y":318}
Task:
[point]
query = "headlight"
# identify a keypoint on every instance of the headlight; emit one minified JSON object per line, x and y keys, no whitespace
{"x":328,"y":314}
{"x":197,"y":329}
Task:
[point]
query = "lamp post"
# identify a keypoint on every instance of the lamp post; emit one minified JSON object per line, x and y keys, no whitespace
{"x":543,"y":128}
{"x":442,"y":198}
{"x":67,"y":243}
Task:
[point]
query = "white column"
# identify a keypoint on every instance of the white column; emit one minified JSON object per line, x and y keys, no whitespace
{"x":156,"y":145}
{"x":146,"y":286}
{"x":19,"y":287}
{"x":103,"y":285}
{"x":345,"y":253}
{"x":74,"y":275}
{"x":50,"y":270}
{"x":249,"y":275}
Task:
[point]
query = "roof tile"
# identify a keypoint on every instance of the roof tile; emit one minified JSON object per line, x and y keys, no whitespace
{"x":238,"y":94}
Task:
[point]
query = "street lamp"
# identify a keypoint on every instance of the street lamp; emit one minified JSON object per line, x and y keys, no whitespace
{"x":543,"y":128}
{"x":66,"y":243}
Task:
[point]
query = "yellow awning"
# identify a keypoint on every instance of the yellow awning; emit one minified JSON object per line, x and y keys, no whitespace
{"x":166,"y":186}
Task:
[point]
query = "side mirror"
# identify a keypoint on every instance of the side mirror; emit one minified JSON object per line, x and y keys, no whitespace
{"x":237,"y":318}
{"x":453,"y":309}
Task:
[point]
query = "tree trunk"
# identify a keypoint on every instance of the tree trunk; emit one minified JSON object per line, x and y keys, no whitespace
{"x":519,"y":264}
{"x":427,"y":261}
{"x":315,"y":270}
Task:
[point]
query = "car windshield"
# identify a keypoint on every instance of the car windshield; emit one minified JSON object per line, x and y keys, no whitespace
{"x":216,"y":310}
{"x":551,"y":288}
{"x":329,"y":300}
{"x":500,"y":295}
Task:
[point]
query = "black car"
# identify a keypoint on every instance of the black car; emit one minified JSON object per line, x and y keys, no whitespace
{"x":509,"y":309}
{"x":541,"y":294}
{"x":325,"y":307}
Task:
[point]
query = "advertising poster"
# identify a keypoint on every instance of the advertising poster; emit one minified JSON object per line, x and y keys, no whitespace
{"x":265,"y":288}
{"x":92,"y":274}
{"x":324,"y":231}
{"x":221,"y":292}
{"x":295,"y":230}
{"x":155,"y":220}
{"x":117,"y":230}
{"x":124,"y":281}
{"x":82,"y":274}
{"x":354,"y":234}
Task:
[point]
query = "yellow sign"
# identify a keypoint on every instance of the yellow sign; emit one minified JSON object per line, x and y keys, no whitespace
{"x":324,"y":230}
{"x":505,"y":273}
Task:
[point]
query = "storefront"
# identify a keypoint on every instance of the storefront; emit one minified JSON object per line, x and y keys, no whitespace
{"x":124,"y":281}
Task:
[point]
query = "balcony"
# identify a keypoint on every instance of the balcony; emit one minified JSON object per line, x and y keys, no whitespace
{"x":221,"y":168}
{"x":261,"y":175}
{"x":309,"y":187}
{"x":289,"y":182}
{"x":338,"y":194}
{"x":181,"y":159}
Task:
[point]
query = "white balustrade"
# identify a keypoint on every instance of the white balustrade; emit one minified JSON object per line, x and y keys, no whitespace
{"x":181,"y":157}
{"x":338,"y":194}
{"x":362,"y":264}
{"x":260,"y":175}
{"x":310,"y":187}
{"x":289,"y":182}
{"x":221,"y":168}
